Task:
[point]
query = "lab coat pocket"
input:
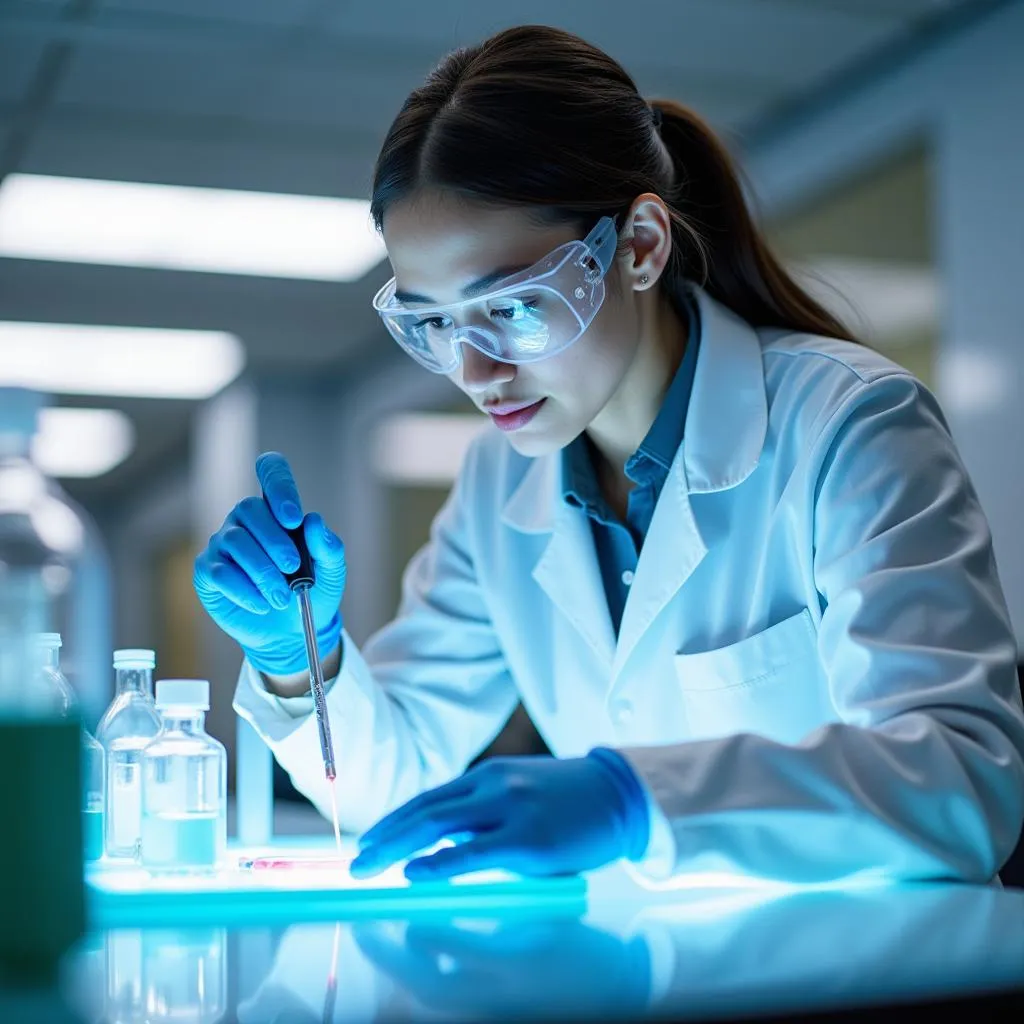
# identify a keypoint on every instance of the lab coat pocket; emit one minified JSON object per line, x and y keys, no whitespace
{"x":770,"y":683}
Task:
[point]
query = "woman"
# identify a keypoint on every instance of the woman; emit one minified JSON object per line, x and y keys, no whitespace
{"x":728,"y":558}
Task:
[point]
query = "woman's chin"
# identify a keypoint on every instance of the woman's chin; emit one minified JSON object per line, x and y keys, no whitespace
{"x":534,"y":445}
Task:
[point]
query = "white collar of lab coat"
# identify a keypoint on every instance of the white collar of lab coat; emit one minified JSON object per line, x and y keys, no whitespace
{"x":725,"y":425}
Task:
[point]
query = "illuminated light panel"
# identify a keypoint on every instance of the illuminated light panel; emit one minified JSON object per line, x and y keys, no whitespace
{"x":175,"y":227}
{"x":138,"y":362}
{"x":425,"y":449}
{"x":82,"y":442}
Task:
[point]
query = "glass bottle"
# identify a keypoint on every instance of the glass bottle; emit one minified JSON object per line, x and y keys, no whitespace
{"x":42,"y":536}
{"x":51,"y":682}
{"x":184,"y":785}
{"x":126,"y":727}
{"x":41,"y":890}
{"x":184,"y":970}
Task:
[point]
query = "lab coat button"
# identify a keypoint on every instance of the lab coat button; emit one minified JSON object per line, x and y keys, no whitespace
{"x":627,"y":577}
{"x":623,"y":712}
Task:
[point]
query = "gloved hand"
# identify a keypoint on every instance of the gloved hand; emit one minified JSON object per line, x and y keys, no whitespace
{"x":532,"y":815}
{"x":563,"y":969}
{"x":240,"y":576}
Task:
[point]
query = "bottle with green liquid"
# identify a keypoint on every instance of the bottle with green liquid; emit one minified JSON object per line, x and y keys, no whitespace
{"x":42,"y":892}
{"x":52,"y":682}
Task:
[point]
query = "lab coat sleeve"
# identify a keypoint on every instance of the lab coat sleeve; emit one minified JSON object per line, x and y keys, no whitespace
{"x":923,"y":774}
{"x":425,"y":696}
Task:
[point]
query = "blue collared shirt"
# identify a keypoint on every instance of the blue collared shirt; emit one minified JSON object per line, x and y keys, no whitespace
{"x":618,"y":543}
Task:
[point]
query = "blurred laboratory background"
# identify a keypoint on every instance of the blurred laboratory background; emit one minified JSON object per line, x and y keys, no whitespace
{"x":187,"y":263}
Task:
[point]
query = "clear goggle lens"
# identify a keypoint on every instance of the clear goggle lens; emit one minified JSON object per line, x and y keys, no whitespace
{"x":531,"y":316}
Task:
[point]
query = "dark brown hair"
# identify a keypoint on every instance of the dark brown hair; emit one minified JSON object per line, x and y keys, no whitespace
{"x":539,"y":118}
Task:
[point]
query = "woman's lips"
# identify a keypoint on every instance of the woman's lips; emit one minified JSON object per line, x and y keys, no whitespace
{"x":516,"y":417}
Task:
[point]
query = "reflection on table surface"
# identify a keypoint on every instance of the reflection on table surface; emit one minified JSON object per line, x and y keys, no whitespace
{"x":694,"y":954}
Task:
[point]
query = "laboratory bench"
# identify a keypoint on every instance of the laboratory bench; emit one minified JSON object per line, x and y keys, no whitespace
{"x":303,"y":942}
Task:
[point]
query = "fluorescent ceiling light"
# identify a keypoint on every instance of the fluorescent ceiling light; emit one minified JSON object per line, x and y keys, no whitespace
{"x":143,"y":362}
{"x":173,"y":227}
{"x":82,"y":442}
{"x":425,"y":449}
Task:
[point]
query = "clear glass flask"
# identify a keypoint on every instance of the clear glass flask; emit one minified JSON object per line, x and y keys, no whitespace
{"x":184,"y":785}
{"x":51,"y":684}
{"x":126,"y":727}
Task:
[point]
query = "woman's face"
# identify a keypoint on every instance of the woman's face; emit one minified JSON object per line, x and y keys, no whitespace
{"x":439,"y":245}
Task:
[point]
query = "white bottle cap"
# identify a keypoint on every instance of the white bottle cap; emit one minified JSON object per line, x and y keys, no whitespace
{"x":19,"y":411}
{"x":49,"y":640}
{"x":187,"y":693}
{"x":134,"y":657}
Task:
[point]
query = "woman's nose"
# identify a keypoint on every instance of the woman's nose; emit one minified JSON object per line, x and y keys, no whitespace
{"x":481,"y":372}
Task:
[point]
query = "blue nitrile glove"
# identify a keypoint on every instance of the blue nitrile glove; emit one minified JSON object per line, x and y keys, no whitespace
{"x":532,"y":815}
{"x":562,"y":969}
{"x":240,"y":576}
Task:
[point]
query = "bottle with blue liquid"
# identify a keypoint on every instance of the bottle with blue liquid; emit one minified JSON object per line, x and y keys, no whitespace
{"x":126,"y":727}
{"x":52,"y":684}
{"x":184,"y":785}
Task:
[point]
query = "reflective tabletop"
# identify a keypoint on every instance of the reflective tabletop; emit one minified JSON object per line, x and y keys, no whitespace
{"x":624,"y":952}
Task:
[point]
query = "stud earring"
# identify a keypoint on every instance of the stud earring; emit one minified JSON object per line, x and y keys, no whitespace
{"x":644,"y":279}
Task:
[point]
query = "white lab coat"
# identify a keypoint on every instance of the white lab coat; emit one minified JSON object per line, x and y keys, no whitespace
{"x":814,"y":675}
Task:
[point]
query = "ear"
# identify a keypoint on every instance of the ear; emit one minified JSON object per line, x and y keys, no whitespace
{"x":648,"y":232}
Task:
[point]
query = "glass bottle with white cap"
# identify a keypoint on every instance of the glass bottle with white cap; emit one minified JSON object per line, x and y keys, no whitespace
{"x":52,"y":686}
{"x":184,"y":785}
{"x":50,"y":683}
{"x":126,"y":727}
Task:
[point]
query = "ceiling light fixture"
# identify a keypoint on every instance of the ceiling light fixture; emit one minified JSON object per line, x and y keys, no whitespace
{"x":135,"y":362}
{"x":82,"y":442}
{"x":175,"y":227}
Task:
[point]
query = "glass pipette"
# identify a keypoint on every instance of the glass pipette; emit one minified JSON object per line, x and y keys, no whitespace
{"x":301,"y":581}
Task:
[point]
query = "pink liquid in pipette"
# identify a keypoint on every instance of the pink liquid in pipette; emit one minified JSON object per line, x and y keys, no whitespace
{"x":334,"y":813}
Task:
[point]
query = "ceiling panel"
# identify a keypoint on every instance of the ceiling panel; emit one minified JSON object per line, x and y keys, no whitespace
{"x":280,"y":13}
{"x":156,"y":78}
{"x":773,"y":41}
{"x":888,"y":8}
{"x":211,"y":152}
{"x":169,"y":75}
{"x":334,"y":96}
{"x":19,"y":56}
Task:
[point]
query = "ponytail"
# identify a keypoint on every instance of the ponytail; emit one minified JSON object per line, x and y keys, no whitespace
{"x":715,"y":241}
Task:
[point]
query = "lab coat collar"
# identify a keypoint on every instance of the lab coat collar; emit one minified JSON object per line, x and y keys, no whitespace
{"x":725,"y":425}
{"x":728,"y":415}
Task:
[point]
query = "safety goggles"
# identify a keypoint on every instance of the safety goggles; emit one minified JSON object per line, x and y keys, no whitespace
{"x":531,"y":315}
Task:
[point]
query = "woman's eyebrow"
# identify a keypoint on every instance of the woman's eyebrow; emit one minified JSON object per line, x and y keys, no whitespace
{"x":481,"y":284}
